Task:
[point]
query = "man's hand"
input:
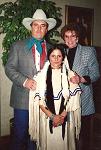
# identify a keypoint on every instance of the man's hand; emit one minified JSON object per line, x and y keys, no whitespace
{"x":30,"y":84}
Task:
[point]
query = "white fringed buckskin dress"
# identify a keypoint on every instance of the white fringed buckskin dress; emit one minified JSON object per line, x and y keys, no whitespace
{"x":39,"y":123}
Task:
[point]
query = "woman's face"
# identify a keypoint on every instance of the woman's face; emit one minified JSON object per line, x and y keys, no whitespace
{"x":55,"y":59}
{"x":70,"y":39}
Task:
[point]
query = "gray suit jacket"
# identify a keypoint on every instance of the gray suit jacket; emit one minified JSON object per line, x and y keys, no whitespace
{"x":85,"y":64}
{"x":20,"y":65}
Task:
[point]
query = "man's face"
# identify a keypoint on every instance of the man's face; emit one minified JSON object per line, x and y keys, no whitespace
{"x":39,"y":29}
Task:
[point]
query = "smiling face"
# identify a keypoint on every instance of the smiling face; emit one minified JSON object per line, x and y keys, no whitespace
{"x":56,"y":58}
{"x":70,"y":39}
{"x":39,"y":29}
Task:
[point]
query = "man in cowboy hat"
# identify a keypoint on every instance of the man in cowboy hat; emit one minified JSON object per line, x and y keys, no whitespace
{"x":25,"y":59}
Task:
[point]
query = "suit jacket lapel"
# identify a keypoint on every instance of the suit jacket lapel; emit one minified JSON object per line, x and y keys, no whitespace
{"x":77,"y":59}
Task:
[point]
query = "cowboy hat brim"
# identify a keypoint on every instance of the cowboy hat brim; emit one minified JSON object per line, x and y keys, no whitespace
{"x":27,"y":22}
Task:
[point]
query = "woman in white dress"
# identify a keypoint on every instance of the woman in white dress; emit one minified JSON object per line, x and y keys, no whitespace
{"x":54,"y":107}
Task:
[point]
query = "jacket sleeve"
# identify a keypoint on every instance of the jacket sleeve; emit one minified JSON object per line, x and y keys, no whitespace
{"x":11,"y":67}
{"x":93,"y":65}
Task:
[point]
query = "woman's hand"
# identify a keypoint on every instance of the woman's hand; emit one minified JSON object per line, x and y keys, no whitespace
{"x":76,"y":79}
{"x":57,"y":120}
{"x":63,"y":115}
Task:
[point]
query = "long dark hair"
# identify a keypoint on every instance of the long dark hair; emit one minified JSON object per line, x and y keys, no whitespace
{"x":49,"y":90}
{"x":61,"y":47}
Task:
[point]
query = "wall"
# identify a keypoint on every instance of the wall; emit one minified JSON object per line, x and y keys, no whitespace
{"x":5,"y":87}
{"x":6,"y":111}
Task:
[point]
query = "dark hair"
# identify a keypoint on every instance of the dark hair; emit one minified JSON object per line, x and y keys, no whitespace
{"x":70,"y":27}
{"x":50,"y":98}
{"x":61,"y":47}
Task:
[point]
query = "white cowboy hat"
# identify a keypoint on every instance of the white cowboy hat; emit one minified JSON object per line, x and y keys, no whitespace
{"x":39,"y":15}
